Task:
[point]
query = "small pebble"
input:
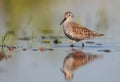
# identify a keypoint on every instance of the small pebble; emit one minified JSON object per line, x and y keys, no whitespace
{"x":90,"y":42}
{"x":46,"y":41}
{"x":42,"y":48}
{"x":11,"y":48}
{"x":56,"y":41}
{"x":34,"y":49}
{"x":43,"y":37}
{"x":2,"y":55}
{"x":24,"y":49}
{"x":24,"y":38}
{"x":99,"y":44}
{"x":71,"y":45}
{"x":50,"y":49}
{"x":105,"y":51}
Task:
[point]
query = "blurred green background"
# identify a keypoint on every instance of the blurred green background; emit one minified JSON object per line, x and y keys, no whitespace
{"x":23,"y":24}
{"x":28,"y":17}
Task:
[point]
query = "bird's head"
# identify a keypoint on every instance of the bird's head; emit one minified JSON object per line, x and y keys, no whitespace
{"x":68,"y":15}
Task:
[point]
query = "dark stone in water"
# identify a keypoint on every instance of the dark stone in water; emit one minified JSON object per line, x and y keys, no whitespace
{"x":50,"y":49}
{"x":43,"y":37}
{"x":34,"y":49}
{"x":104,"y":51}
{"x":2,"y":56}
{"x":55,"y":37}
{"x":46,"y":41}
{"x":89,"y":42}
{"x":99,"y":44}
{"x":24,"y":38}
{"x":51,"y":37}
{"x":56,"y":41}
{"x":71,"y":45}
{"x":3,"y":45}
{"x":24,"y":49}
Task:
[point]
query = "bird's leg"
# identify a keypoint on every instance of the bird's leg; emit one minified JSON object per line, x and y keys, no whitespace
{"x":82,"y":44}
{"x":72,"y":42}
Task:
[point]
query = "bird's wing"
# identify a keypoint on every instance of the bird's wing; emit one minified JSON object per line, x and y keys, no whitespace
{"x":82,"y":32}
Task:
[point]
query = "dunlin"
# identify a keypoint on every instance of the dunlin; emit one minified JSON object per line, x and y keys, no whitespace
{"x":75,"y":31}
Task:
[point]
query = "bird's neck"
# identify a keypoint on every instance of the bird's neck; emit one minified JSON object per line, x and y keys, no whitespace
{"x":67,"y":22}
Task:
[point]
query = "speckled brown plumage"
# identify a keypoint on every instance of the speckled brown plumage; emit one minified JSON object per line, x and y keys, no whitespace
{"x":80,"y":32}
{"x":75,"y":31}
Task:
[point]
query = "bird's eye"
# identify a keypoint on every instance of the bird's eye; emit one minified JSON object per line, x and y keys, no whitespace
{"x":69,"y":15}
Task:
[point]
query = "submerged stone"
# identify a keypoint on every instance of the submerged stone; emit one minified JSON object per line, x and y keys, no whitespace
{"x":105,"y":50}
{"x":2,"y":56}
{"x":90,"y":42}
{"x":56,"y":41}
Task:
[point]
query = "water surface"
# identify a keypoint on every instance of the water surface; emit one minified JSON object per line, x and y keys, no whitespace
{"x":46,"y":65}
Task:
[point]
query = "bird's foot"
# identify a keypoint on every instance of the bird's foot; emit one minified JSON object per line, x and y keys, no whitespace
{"x":83,"y":45}
{"x":71,"y":45}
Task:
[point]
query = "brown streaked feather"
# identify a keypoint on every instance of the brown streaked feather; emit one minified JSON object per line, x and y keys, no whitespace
{"x":81,"y":32}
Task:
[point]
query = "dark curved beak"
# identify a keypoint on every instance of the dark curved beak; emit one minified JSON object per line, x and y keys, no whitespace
{"x":63,"y":21}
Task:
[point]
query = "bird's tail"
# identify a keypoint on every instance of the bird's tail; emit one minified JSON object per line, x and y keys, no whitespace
{"x":96,"y":34}
{"x":101,"y":34}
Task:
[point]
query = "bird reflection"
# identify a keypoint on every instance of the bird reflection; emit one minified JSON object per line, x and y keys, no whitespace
{"x":75,"y":60}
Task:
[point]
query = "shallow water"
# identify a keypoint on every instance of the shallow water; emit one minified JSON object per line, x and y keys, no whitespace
{"x":29,"y":64}
{"x":39,"y":66}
